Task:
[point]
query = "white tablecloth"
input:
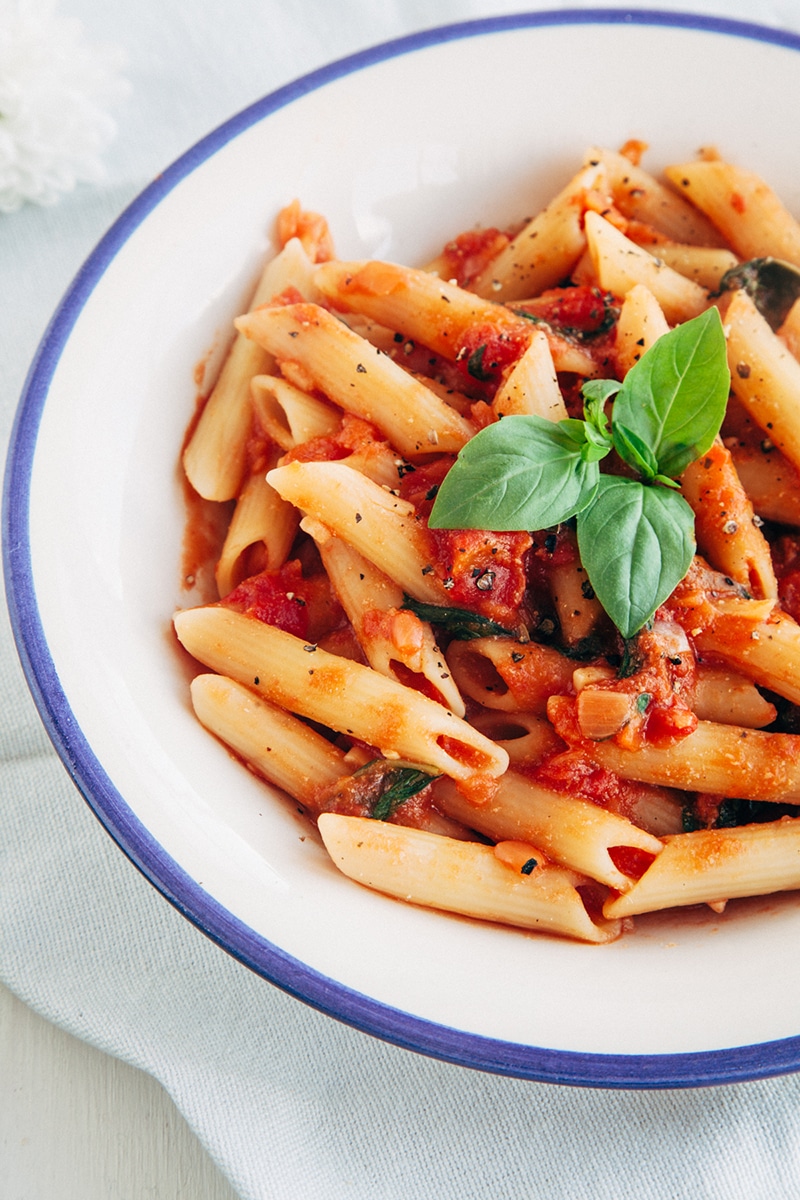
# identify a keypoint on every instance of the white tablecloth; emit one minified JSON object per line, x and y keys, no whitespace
{"x":291,"y":1103}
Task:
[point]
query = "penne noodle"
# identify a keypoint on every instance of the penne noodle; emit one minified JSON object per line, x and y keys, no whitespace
{"x":570,"y":830}
{"x":500,"y":673}
{"x":727,"y":760}
{"x":711,"y":866}
{"x":418,"y":304}
{"x":742,"y":206}
{"x":577,"y":608}
{"x":766,"y":651}
{"x":725,"y":525}
{"x":379,"y":525}
{"x":354,"y":374}
{"x":765,"y":376}
{"x":259,"y":537}
{"x":532,"y":385}
{"x":346,"y":696}
{"x":545,"y":250}
{"x":277,"y":745}
{"x":641,"y":323}
{"x":527,"y":738}
{"x":214,"y":459}
{"x":621,"y":264}
{"x":704,"y":265}
{"x":460,"y":877}
{"x":641,"y":197}
{"x":395,"y":641}
{"x":288,"y":415}
{"x":725,"y":696}
{"x":770,"y":480}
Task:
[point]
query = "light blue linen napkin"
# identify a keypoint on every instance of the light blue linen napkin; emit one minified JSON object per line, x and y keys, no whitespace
{"x":291,"y":1104}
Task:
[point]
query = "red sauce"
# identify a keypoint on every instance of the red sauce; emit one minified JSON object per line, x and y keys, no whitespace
{"x":581,"y":310}
{"x":292,"y":601}
{"x":467,"y":255}
{"x":786,"y":560}
{"x":485,"y":353}
{"x":485,"y":572}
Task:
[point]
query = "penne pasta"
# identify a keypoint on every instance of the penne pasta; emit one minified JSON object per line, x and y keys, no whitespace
{"x":621,"y":264}
{"x":532,"y":384}
{"x":546,"y":249}
{"x":641,"y":322}
{"x":375,"y":522}
{"x":641,"y":197}
{"x":433,"y":311}
{"x":711,"y":866}
{"x":705,"y":265}
{"x":460,"y":877}
{"x":742,"y":206}
{"x":289,"y":415}
{"x":726,"y":760}
{"x":353,"y":699}
{"x":725,"y":524}
{"x":260,"y":534}
{"x":353,"y":373}
{"x":395,"y":641}
{"x":570,"y":830}
{"x":274,"y":743}
{"x":765,"y":376}
{"x":214,"y":459}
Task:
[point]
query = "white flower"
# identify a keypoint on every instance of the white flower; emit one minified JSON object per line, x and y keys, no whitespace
{"x":53,"y":86}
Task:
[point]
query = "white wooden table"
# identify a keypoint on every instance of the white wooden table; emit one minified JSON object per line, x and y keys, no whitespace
{"x":76,"y":1124}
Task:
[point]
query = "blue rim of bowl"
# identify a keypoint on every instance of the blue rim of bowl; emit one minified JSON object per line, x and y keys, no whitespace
{"x":693,"y":1069}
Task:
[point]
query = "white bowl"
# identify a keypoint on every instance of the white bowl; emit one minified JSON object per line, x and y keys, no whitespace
{"x":400,"y":147}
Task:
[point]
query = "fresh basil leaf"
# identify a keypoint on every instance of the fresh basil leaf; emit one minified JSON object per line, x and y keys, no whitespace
{"x":636,"y":543}
{"x":596,"y":392}
{"x":475,"y":366}
{"x":630,"y":447}
{"x":460,"y":623}
{"x":393,"y":785}
{"x":674,"y":397}
{"x":523,"y":472}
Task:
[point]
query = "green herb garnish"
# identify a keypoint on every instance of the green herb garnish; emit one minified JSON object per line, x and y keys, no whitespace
{"x":460,"y":623}
{"x":394,"y":784}
{"x":635,"y":536}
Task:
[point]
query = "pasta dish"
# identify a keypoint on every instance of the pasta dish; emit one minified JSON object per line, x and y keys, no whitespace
{"x":508,"y":589}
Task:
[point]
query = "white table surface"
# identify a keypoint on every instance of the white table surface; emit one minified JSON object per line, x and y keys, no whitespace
{"x":77,"y":1124}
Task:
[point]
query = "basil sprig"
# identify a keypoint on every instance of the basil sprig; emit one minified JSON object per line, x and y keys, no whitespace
{"x":635,"y":536}
{"x":393,"y":784}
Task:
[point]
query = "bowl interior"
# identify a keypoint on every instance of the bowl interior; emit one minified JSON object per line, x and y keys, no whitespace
{"x":396,"y":151}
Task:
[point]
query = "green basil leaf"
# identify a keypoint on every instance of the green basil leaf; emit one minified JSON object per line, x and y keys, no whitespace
{"x":460,"y":623}
{"x":523,"y":472}
{"x":475,"y":366}
{"x":393,"y":784}
{"x":674,"y":397}
{"x":636,"y":543}
{"x":596,"y":392}
{"x":630,"y":447}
